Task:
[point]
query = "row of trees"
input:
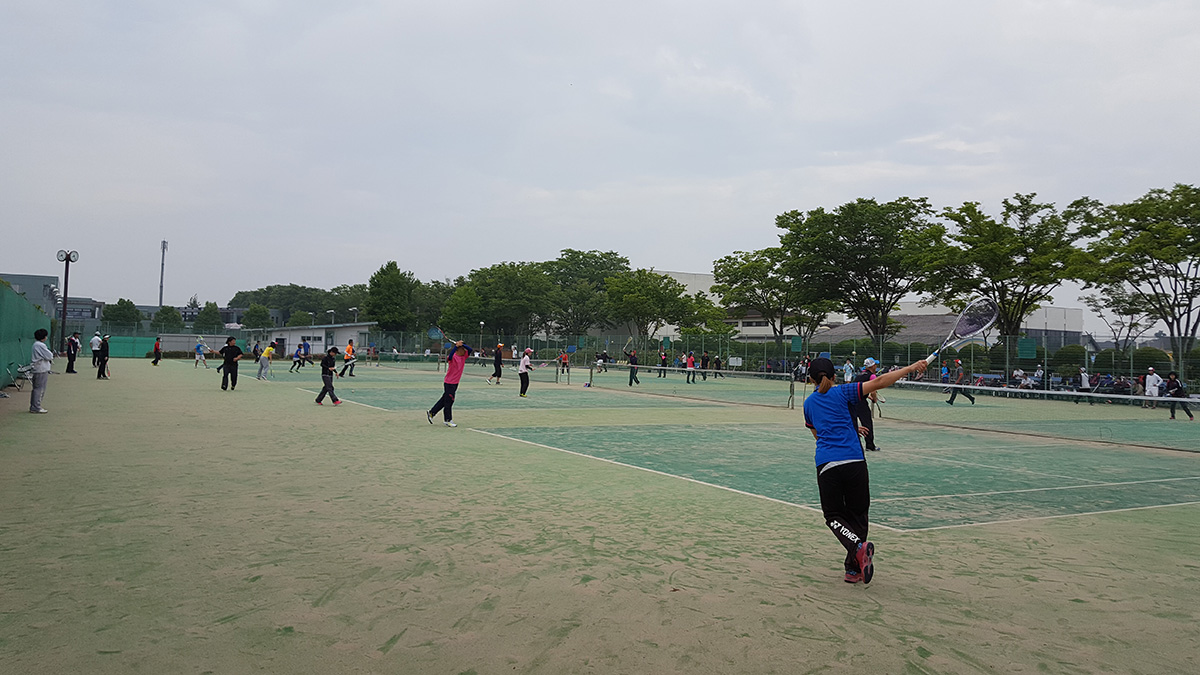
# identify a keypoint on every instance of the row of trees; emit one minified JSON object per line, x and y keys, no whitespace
{"x":1142,"y":259}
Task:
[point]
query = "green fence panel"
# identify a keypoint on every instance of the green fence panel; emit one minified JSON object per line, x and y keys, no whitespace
{"x":19,"y":318}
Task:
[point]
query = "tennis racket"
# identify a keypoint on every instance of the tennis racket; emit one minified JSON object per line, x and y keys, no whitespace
{"x":436,"y":332}
{"x":976,"y":318}
{"x":628,"y":344}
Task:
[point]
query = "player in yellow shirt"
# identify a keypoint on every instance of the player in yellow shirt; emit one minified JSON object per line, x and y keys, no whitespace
{"x":264,"y":362}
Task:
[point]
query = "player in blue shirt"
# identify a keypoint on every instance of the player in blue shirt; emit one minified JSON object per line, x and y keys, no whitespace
{"x":841,"y":464}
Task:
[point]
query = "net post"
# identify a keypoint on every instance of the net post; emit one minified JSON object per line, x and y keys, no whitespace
{"x":591,"y":373}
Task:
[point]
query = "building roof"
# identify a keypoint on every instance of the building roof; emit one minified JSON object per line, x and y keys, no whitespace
{"x":360,"y":324}
{"x":924,"y":328}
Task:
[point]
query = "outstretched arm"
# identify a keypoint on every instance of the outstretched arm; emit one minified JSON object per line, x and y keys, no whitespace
{"x":888,"y":379}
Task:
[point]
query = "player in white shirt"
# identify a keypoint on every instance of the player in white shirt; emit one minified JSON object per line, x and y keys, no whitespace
{"x":1153,"y":382}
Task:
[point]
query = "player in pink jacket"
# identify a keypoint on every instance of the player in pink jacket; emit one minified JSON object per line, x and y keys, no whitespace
{"x":455,"y":363}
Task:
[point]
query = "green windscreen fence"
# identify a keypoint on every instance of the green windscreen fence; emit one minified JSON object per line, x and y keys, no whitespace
{"x":124,"y":347}
{"x":18,"y":320}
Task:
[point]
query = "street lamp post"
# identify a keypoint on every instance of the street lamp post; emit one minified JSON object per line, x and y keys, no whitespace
{"x":480,"y":335}
{"x":66,"y":257}
{"x":331,"y":316}
{"x":355,"y":310}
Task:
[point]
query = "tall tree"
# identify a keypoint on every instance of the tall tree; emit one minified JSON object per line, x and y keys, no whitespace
{"x":257,"y":316}
{"x":757,"y":281}
{"x":123,"y":313}
{"x":704,"y":317}
{"x":461,"y":313}
{"x":208,"y":320}
{"x":167,"y":320}
{"x":389,"y":297}
{"x":300,"y":319}
{"x":578,"y":294}
{"x":1127,"y":318}
{"x":428,"y":299}
{"x":516,"y":297}
{"x":864,"y":255}
{"x":1153,"y":245}
{"x":646,"y":300}
{"x":1017,"y":261}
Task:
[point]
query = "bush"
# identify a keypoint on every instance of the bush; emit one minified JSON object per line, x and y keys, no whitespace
{"x":1151,"y":357}
{"x":1068,"y":359}
{"x":975,"y":359}
{"x":1111,"y":361}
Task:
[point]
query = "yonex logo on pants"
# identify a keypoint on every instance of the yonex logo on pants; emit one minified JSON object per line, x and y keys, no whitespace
{"x":845,"y":531}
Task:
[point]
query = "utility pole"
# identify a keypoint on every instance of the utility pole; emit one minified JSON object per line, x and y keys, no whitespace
{"x":162,"y":273}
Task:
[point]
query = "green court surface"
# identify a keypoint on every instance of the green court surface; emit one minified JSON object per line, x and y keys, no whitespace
{"x":1108,"y":419}
{"x":920,"y":483}
{"x":154,"y":523}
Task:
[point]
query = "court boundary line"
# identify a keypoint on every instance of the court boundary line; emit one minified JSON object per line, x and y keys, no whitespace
{"x":1041,"y":489}
{"x":806,"y":507}
{"x":317,"y":393}
{"x":1061,"y":515}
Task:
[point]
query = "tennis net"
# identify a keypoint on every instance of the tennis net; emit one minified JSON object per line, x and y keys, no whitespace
{"x":1103,"y":415}
{"x":721,"y":386}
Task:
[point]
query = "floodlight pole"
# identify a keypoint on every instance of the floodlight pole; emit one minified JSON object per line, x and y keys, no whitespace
{"x":65,"y":257}
{"x":331,"y":316}
{"x":162,"y":272}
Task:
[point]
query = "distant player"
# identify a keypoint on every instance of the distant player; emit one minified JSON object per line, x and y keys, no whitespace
{"x":456,"y":360}
{"x":264,"y":361}
{"x":349,"y":359}
{"x":842,"y":478}
{"x":633,"y":364}
{"x":328,"y":372}
{"x":157,"y":351}
{"x":297,"y":359}
{"x":201,"y":348}
{"x":231,"y":354}
{"x":663,"y":362}
{"x":959,"y":378}
{"x":690,"y":365}
{"x":863,"y":409}
{"x":523,"y":371}
{"x":498,"y":364}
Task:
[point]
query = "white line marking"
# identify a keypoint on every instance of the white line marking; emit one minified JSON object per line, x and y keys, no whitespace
{"x":1064,"y":515}
{"x":670,"y":475}
{"x":348,"y":401}
{"x":1000,"y":468}
{"x":1041,"y":489}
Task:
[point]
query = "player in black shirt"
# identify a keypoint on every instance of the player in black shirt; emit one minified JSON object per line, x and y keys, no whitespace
{"x":498,"y":362}
{"x":328,"y":372}
{"x":662,"y":363}
{"x":632,"y":356}
{"x":231,"y":353}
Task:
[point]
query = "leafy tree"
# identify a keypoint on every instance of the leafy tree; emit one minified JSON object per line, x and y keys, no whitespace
{"x":1153,"y":245}
{"x":1127,"y":318}
{"x":516,"y":297}
{"x":342,"y":298}
{"x":704,"y":318}
{"x":209,"y":319}
{"x":645,"y":299}
{"x":257,"y":316}
{"x":287,"y":297}
{"x":123,"y":313}
{"x":579,"y":290}
{"x":300,"y":319}
{"x":864,"y":255}
{"x":428,"y":299}
{"x":975,"y":358}
{"x":1068,"y":359}
{"x":167,"y":320}
{"x":757,"y":281}
{"x":389,"y":297}
{"x":1017,"y":261}
{"x":460,"y":315}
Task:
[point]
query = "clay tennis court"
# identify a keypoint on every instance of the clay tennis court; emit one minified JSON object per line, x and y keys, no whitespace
{"x":153,"y":523}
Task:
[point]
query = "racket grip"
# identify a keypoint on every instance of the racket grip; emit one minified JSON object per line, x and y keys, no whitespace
{"x":929,"y":359}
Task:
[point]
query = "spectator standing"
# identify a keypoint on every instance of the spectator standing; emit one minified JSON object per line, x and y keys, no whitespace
{"x":41,"y":360}
{"x":74,"y":346}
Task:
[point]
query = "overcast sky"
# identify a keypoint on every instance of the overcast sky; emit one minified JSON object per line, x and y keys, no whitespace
{"x":310,"y":142}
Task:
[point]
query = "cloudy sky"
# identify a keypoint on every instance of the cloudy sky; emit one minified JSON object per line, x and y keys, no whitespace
{"x":310,"y":142}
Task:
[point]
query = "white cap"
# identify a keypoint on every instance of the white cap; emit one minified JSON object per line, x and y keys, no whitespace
{"x":870,"y":362}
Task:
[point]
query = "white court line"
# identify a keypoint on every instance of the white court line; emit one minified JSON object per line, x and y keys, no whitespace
{"x":965,"y":463}
{"x":1063,"y":515}
{"x":670,"y":475}
{"x":1042,"y":489}
{"x":315,"y":393}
